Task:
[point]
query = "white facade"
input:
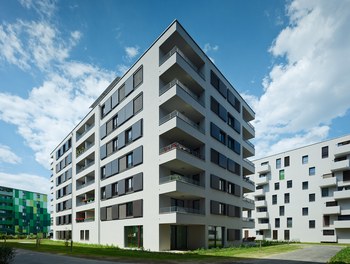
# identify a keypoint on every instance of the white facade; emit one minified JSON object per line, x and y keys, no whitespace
{"x":304,"y":194}
{"x":160,"y":161}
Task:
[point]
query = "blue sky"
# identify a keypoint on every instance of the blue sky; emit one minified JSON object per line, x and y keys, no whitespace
{"x":289,"y":59}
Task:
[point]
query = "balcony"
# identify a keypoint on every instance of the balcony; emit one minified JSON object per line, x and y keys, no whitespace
{"x":85,"y":216}
{"x":181,"y":215}
{"x":248,"y":222}
{"x":342,"y":149}
{"x":248,"y":131}
{"x":84,"y":129}
{"x":247,"y":113}
{"x":195,"y":63}
{"x":262,"y":226}
{"x":259,"y":192}
{"x":248,"y":149}
{"x":341,"y":224}
{"x":248,"y":204}
{"x":340,"y":165}
{"x":261,"y":203}
{"x":248,"y":167}
{"x":177,"y":114}
{"x":261,"y":214}
{"x":261,"y":180}
{"x":85,"y":146}
{"x":262,"y":168}
{"x":178,"y":186}
{"x":343,"y":194}
{"x":85,"y":163}
{"x":331,"y":210}
{"x":329,"y":238}
{"x":328,"y":181}
{"x":85,"y":181}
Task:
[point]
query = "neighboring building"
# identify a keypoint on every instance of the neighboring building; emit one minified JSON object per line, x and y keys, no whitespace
{"x":160,"y":160}
{"x":304,"y":194}
{"x":23,"y":212}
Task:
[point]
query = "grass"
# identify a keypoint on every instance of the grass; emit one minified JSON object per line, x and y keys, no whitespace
{"x":114,"y":253}
{"x":342,"y":257}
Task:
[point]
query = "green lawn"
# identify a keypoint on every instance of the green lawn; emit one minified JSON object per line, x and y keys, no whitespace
{"x":342,"y":257}
{"x":114,"y":253}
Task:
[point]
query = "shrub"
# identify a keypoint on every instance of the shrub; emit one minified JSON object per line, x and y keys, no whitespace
{"x":7,"y":254}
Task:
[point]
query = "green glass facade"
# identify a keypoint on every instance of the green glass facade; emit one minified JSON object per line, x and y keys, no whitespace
{"x":23,"y":212}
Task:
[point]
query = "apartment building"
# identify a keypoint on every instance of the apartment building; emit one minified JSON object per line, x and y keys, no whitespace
{"x":160,"y":161}
{"x":23,"y":212}
{"x":304,"y":194}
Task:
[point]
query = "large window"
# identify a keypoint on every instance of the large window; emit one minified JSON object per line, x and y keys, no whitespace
{"x":138,"y":77}
{"x":274,"y":199}
{"x":289,"y":222}
{"x":277,"y":222}
{"x":133,"y":236}
{"x":278,"y":163}
{"x":325,"y":152}
{"x":215,"y":236}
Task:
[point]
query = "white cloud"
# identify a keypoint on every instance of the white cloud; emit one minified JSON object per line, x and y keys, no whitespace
{"x":122,"y":69}
{"x":26,"y":182}
{"x":208,"y":47}
{"x":6,"y":155}
{"x":44,"y":8}
{"x":131,"y":52}
{"x":311,"y":88}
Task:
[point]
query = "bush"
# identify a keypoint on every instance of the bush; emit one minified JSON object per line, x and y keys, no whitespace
{"x":7,"y":254}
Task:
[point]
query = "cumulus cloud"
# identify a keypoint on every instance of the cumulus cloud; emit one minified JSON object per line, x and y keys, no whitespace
{"x":25,"y":181}
{"x":131,"y":52}
{"x":208,"y":47}
{"x":6,"y":155}
{"x":304,"y":93}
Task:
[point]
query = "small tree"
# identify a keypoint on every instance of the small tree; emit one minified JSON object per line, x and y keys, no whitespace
{"x":7,"y":254}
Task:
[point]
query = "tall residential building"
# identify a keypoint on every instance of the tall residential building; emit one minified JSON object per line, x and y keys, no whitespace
{"x":23,"y":212}
{"x":304,"y":194}
{"x":160,"y":160}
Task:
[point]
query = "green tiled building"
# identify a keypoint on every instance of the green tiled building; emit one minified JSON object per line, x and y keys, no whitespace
{"x":23,"y":212}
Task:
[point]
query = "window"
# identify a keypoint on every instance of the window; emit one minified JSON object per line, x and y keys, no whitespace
{"x":222,"y":185}
{"x":115,"y":122}
{"x":277,"y":185}
{"x":222,"y":208}
{"x":121,"y":93}
{"x":277,"y":222}
{"x":305,"y":211}
{"x":103,"y":111}
{"x":129,"y":209}
{"x":128,"y":185}
{"x":281,"y":210}
{"x":128,"y":136}
{"x":289,"y":222}
{"x":222,"y":137}
{"x":312,"y":171}
{"x":234,"y":145}
{"x":312,"y":223}
{"x":325,"y":152}
{"x":311,"y":197}
{"x":115,"y":144}
{"x":275,"y":234}
{"x":81,"y":234}
{"x":109,"y":213}
{"x":305,"y":185}
{"x":138,"y":104}
{"x":214,"y":106}
{"x":325,"y":192}
{"x":129,"y":160}
{"x":114,"y":189}
{"x":234,"y":123}
{"x":289,"y":184}
{"x":286,"y":235}
{"x":103,"y":172}
{"x":274,"y":199}
{"x":278,"y":163}
{"x":133,"y":236}
{"x":281,"y":175}
{"x":138,"y":77}
{"x":305,"y":159}
{"x":103,"y":193}
{"x":87,"y":235}
{"x":286,"y":161}
{"x":286,"y":198}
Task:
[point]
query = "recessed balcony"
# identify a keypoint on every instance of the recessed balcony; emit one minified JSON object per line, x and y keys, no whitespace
{"x":343,"y":194}
{"x":248,"y":167}
{"x":248,"y":131}
{"x":85,"y":181}
{"x":84,"y":129}
{"x":85,"y":146}
{"x":85,"y":216}
{"x":86,"y":163}
{"x":247,"y":113}
{"x":331,"y":210}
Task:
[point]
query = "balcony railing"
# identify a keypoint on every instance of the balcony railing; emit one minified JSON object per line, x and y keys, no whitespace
{"x":183,"y":87}
{"x":249,"y":143}
{"x":178,"y":146}
{"x":248,"y":200}
{"x":179,"y":209}
{"x":87,"y":201}
{"x":177,"y":50}
{"x":82,"y":219}
{"x":87,"y":129}
{"x":249,"y":162}
{"x":83,"y":149}
{"x":87,"y":165}
{"x":184,"y":118}
{"x":176,"y":177}
{"x":246,"y":179}
{"x":251,"y":126}
{"x":248,"y":219}
{"x":85,"y":184}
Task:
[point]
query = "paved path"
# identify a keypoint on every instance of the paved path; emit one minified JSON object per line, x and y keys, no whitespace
{"x":32,"y":257}
{"x":307,"y":255}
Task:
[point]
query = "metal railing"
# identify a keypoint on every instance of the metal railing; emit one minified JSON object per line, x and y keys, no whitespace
{"x":251,"y":126}
{"x":248,"y":200}
{"x":176,"y":177}
{"x":184,"y":118}
{"x":177,"y":50}
{"x":167,"y":87}
{"x":178,"y":146}
{"x":249,"y":162}
{"x":246,"y":179}
{"x":82,"y":220}
{"x":85,"y":184}
{"x":249,"y":143}
{"x":88,"y":201}
{"x":248,"y":219}
{"x":87,"y":129}
{"x":82,"y":150}
{"x":87,"y":165}
{"x":179,"y":209}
